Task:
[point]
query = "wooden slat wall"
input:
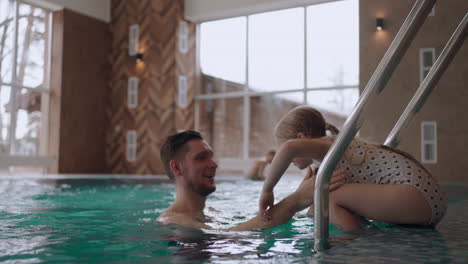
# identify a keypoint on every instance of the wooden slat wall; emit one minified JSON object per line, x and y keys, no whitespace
{"x":79,"y":77}
{"x":157,"y":114}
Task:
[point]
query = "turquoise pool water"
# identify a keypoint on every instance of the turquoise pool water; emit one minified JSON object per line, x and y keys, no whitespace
{"x":104,"y":220}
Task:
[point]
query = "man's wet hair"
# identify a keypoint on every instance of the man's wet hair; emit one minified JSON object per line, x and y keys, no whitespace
{"x":174,"y":146}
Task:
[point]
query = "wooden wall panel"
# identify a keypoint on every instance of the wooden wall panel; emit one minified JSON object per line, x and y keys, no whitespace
{"x":157,"y":114}
{"x":79,"y":77}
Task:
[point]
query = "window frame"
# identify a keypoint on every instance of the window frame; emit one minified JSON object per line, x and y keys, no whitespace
{"x":248,"y":93}
{"x":423,"y":68}
{"x":431,"y":142}
{"x":132,"y":92}
{"x":131,"y":140}
{"x":13,"y":157}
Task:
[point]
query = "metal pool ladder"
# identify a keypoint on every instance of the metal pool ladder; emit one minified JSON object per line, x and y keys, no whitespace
{"x":374,"y":87}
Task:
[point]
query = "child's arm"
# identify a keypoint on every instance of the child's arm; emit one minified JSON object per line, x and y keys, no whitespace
{"x":302,"y":147}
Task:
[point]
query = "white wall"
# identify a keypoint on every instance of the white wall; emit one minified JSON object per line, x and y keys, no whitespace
{"x":99,"y":9}
{"x":206,"y":10}
{"x":195,"y":10}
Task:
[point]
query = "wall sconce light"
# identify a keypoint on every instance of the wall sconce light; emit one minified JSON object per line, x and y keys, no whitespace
{"x":379,"y":24}
{"x":139,"y":57}
{"x":133,"y":41}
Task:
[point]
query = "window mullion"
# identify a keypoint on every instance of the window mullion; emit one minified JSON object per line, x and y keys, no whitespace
{"x":14,"y":88}
{"x":305,"y":56}
{"x":246,"y":119}
{"x":42,"y":88}
{"x":45,"y":99}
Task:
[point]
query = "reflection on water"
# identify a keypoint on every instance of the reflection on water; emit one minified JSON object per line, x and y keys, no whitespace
{"x":91,"y":222}
{"x":16,"y":208}
{"x":216,"y":246}
{"x":78,"y":222}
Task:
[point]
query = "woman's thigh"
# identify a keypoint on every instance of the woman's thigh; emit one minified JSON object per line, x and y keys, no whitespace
{"x":395,"y":203}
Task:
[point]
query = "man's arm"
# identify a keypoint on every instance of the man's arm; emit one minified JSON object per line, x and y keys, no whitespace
{"x":283,"y":211}
{"x":280,"y":214}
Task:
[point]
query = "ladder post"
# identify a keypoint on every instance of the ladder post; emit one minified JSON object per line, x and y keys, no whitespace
{"x":376,"y":84}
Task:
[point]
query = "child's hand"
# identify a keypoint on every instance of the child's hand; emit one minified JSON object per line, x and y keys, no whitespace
{"x":307,"y":188}
{"x":309,"y":174}
{"x":339,"y":174}
{"x":267,"y":199}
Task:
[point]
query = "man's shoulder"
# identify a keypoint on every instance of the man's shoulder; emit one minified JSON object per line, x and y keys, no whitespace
{"x":180,"y":219}
{"x":169,"y":217}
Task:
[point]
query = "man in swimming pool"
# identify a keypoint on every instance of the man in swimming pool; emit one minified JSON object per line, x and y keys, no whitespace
{"x":188,"y":161}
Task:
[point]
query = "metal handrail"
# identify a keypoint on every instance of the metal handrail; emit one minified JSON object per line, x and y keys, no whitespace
{"x":375,"y":85}
{"x":429,"y":83}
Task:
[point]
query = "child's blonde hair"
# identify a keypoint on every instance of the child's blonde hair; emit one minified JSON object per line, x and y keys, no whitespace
{"x":307,"y":120}
{"x":303,"y":119}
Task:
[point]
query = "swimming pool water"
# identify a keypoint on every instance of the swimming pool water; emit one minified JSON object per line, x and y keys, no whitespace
{"x":99,"y":221}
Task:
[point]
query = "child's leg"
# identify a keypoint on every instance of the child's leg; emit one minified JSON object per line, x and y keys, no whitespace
{"x":394,"y":203}
{"x":339,"y":216}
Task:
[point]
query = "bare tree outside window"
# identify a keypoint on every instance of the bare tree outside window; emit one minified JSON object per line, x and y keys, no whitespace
{"x":7,"y":12}
{"x":21,"y":89}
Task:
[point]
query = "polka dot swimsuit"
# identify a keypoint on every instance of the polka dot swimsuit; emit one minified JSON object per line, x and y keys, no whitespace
{"x":368,"y":163}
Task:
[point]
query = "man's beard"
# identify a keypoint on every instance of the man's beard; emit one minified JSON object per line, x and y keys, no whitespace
{"x":202,"y":189}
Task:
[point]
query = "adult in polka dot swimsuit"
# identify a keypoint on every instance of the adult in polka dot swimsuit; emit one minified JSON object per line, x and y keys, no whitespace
{"x":381,"y":183}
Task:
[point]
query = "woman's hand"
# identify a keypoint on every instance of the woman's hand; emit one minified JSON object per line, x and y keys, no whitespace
{"x":267,"y":199}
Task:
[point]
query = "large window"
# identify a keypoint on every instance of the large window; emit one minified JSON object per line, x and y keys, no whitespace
{"x":260,"y":66}
{"x":24,"y":78}
{"x":276,"y":50}
{"x":224,"y":44}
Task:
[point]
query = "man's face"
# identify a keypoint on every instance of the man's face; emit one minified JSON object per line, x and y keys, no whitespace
{"x":199,"y":168}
